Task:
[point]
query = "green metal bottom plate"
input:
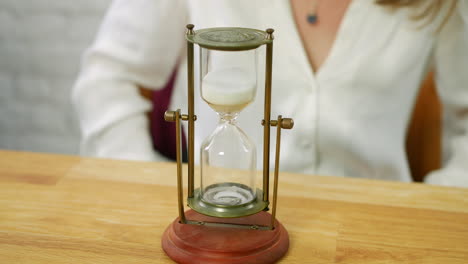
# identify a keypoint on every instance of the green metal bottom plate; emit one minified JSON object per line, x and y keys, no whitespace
{"x":209,"y":209}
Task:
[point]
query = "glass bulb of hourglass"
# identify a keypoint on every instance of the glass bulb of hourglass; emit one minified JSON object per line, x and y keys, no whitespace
{"x":228,"y":156}
{"x":228,"y":90}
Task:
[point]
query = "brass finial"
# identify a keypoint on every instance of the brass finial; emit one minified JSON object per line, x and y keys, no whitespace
{"x":190,"y":29}
{"x":270,"y":31}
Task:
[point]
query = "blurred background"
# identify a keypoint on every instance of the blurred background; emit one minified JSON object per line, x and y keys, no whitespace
{"x":41,"y":42}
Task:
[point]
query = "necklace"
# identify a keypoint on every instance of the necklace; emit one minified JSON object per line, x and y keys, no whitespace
{"x":312,"y":16}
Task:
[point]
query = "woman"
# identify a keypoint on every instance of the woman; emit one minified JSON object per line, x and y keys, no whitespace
{"x":347,"y":71}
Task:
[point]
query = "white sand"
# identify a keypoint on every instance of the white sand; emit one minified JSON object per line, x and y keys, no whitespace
{"x":229,"y":86}
{"x":228,"y":195}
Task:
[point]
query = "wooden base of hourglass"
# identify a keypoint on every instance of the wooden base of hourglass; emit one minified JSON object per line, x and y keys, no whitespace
{"x":204,"y":244}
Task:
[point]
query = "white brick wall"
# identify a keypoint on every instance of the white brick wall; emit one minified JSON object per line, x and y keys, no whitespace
{"x":40,"y":46}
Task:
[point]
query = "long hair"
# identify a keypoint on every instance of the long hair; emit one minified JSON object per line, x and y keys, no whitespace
{"x":425,"y":10}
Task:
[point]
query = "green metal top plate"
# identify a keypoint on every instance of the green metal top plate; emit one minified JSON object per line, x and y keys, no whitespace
{"x":229,"y":38}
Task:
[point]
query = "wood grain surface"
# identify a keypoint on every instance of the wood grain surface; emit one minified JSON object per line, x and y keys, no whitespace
{"x":64,"y":209}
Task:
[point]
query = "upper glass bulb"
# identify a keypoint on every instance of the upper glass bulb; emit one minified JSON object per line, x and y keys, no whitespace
{"x":228,"y":90}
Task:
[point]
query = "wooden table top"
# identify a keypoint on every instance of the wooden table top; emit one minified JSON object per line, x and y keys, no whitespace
{"x":66,"y":209}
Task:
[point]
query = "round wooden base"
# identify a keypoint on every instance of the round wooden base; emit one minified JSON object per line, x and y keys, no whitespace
{"x":207,"y":244}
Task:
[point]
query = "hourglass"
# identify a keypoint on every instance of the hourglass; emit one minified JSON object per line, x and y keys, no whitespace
{"x":229,"y":222}
{"x":227,"y":91}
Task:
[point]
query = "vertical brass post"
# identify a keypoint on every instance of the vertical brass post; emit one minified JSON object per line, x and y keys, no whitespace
{"x":175,"y":116}
{"x":275,"y":183}
{"x":267,"y":115}
{"x":191,"y":114}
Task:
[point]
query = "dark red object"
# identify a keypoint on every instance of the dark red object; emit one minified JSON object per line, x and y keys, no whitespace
{"x":208,"y":245}
{"x":164,"y":133}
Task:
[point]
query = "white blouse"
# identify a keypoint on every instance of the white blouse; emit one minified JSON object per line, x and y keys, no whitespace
{"x":350,"y":117}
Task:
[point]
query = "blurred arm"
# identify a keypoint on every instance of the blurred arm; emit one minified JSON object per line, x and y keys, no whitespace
{"x":451,"y":56}
{"x":138,"y":43}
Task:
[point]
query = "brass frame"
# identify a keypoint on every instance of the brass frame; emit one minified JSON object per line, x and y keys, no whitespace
{"x":280,"y":123}
{"x":191,"y":114}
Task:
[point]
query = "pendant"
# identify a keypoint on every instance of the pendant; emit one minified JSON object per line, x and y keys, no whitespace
{"x":312,"y":18}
